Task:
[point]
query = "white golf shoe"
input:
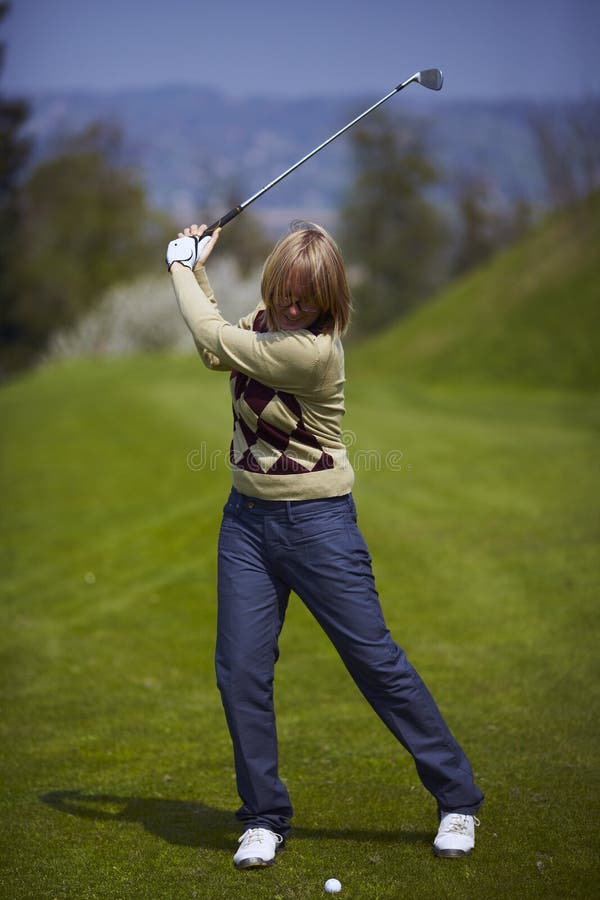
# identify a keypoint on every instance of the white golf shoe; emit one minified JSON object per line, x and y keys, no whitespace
{"x":258,"y":847}
{"x":456,"y":835}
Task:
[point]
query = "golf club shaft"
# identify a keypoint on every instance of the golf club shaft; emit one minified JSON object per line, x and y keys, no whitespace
{"x":238,"y":209}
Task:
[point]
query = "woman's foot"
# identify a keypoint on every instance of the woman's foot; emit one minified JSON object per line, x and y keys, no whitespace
{"x":456,"y":835}
{"x":258,"y":847}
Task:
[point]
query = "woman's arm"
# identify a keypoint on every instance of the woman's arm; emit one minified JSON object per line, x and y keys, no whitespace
{"x":209,"y":359}
{"x":287,"y":360}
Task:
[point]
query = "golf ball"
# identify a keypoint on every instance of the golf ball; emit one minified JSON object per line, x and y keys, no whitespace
{"x":333,"y":886}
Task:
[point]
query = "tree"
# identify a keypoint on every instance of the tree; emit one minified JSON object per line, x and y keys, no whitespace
{"x":14,"y":154}
{"x":483,"y":227}
{"x":83,"y":224}
{"x":14,"y":147}
{"x":567,"y":138}
{"x":244,"y":238}
{"x":391,"y":231}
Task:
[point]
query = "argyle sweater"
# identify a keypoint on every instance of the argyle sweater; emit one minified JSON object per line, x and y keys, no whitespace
{"x":287,"y":390}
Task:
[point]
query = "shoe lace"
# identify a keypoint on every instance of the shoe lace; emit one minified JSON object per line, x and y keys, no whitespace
{"x":459,"y":824}
{"x":257,"y":836}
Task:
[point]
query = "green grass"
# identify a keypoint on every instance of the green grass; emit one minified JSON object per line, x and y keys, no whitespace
{"x":532,"y":316}
{"x":117,"y":771}
{"x":473,"y":427}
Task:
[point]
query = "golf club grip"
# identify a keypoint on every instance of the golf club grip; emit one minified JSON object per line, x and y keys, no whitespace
{"x":223,"y":220}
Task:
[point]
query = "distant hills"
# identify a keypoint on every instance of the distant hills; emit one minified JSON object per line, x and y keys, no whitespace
{"x":194,"y":145}
{"x":530,"y":317}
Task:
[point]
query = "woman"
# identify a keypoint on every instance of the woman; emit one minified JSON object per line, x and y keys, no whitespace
{"x":290,"y":525}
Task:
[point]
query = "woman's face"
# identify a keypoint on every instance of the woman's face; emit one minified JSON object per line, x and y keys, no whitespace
{"x":291,"y":315}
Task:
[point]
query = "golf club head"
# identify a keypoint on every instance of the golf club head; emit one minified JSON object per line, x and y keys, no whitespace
{"x":431,"y":78}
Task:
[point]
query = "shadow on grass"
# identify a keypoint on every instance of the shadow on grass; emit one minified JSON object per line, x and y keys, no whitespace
{"x":192,"y":824}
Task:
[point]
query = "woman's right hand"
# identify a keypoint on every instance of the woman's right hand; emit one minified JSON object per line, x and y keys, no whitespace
{"x":205,"y":251}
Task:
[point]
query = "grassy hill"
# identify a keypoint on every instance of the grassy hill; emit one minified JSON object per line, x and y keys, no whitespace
{"x":478,"y":498}
{"x":530,"y":317}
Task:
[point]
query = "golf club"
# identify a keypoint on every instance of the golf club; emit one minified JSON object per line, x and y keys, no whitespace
{"x":429,"y":78}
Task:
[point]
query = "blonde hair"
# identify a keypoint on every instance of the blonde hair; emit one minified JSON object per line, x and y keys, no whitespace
{"x":306,"y":266}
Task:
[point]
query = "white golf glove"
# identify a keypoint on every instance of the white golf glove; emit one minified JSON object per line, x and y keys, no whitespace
{"x":187,"y":250}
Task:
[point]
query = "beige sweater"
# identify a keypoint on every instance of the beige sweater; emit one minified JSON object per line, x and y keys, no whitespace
{"x":287,"y":391}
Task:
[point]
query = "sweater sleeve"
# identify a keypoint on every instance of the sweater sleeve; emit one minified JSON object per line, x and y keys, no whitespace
{"x":209,"y":359}
{"x":288,"y":360}
{"x":201,"y":276}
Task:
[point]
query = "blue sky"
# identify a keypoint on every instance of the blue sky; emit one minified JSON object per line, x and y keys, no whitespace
{"x":530,"y":48}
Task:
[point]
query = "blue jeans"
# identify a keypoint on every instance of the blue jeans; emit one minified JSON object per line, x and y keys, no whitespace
{"x":314,"y":547}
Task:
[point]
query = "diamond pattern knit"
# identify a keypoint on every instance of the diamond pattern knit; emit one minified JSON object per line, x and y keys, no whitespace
{"x":269,"y":434}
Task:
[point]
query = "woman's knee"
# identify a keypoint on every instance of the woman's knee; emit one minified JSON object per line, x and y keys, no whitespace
{"x":240,"y":679}
{"x":383,"y":665}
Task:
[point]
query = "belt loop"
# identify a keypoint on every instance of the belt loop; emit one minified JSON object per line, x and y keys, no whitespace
{"x":289,"y":506}
{"x":237,"y":501}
